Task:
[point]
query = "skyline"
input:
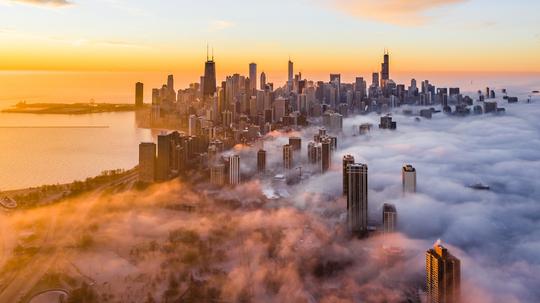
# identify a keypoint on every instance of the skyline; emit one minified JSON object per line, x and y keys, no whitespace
{"x":422,"y":36}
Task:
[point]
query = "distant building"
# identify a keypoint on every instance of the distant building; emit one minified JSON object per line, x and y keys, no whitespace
{"x":147,"y":162}
{"x":261,"y":160}
{"x":217,"y":174}
{"x":443,"y":276}
{"x":389,"y":218}
{"x":347,"y":159}
{"x":326,"y":145}
{"x":139,"y":94}
{"x":387,"y":123}
{"x":490,"y":107}
{"x":164,"y":155}
{"x":296,"y":143}
{"x":385,"y":69}
{"x":315,"y":154}
{"x":290,"y":71}
{"x":263,"y":81}
{"x":287,"y":156}
{"x":357,"y":199}
{"x":252,"y":78}
{"x":234,"y":169}
{"x":408,"y":177}
{"x":209,"y":79}
{"x":364,"y":128}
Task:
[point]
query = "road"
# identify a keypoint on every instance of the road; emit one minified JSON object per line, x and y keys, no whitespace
{"x":59,"y":234}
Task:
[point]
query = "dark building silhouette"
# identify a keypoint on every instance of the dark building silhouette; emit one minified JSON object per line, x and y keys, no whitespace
{"x":209,"y":87}
{"x":139,"y":94}
{"x":347,"y":159}
{"x":147,"y":162}
{"x":357,"y":199}
{"x":261,"y":160}
{"x":296,"y":143}
{"x":326,"y":154}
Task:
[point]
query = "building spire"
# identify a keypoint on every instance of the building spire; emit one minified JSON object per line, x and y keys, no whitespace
{"x":206,"y":51}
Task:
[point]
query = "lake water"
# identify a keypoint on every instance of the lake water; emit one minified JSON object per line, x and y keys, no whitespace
{"x":43,"y":149}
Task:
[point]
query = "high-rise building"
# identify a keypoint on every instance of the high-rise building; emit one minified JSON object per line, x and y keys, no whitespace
{"x":287,"y":156}
{"x":347,"y":159}
{"x":389,"y":218}
{"x":385,"y":69}
{"x":261,"y":160}
{"x":164,"y":148}
{"x":357,"y":198}
{"x":315,"y":154}
{"x":296,"y":143}
{"x":170,"y":83}
{"x":147,"y":162}
{"x":326,"y":145}
{"x":263,"y":81}
{"x":408,"y":176}
{"x":290,"y":71}
{"x":387,"y":123}
{"x":443,"y":275}
{"x":217,"y":174}
{"x":139,"y":94}
{"x":209,"y":81}
{"x":375,"y":80}
{"x":252,"y":78}
{"x":234,"y":169}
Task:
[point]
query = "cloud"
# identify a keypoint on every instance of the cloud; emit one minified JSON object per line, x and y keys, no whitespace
{"x":219,"y":25}
{"x":49,"y":3}
{"x":401,"y":12}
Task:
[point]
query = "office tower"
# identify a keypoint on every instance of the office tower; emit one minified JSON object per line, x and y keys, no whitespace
{"x":263,"y":81}
{"x":315,"y":153}
{"x":408,"y":176}
{"x":347,"y":159}
{"x":234,"y":169}
{"x":164,"y":147}
{"x":443,"y":275}
{"x":357,"y":198}
{"x":217,"y":174}
{"x":170,"y":83}
{"x":192,"y":125}
{"x":252,"y":77}
{"x":290,"y":71}
{"x":261,"y":160}
{"x":385,"y":69}
{"x":375,"y":80}
{"x":296,"y":143}
{"x":147,"y":162}
{"x":387,"y":123}
{"x":139,"y":94}
{"x":326,"y":154}
{"x":287,"y":156}
{"x":209,"y":81}
{"x":389,"y":218}
{"x":335,"y":81}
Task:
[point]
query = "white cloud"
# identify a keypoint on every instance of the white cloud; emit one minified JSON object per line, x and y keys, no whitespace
{"x":49,"y":3}
{"x":219,"y":25}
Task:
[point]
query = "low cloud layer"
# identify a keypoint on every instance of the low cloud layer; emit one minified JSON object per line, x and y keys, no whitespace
{"x":49,"y":3}
{"x":402,"y":12}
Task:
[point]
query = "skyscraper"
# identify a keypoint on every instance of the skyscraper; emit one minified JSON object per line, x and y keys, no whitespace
{"x":139,"y":94}
{"x":147,"y":162}
{"x":209,"y":87}
{"x":261,"y":160}
{"x":389,"y":218}
{"x":290,"y":71}
{"x":234,"y":169}
{"x":296,"y":143}
{"x":287,"y":156}
{"x":357,"y":198}
{"x":326,"y":154}
{"x":217,"y":174}
{"x":163,"y":162}
{"x":263,"y":81}
{"x":252,"y":78}
{"x":408,"y":176}
{"x":170,"y":83}
{"x":315,"y":154}
{"x":443,"y":275}
{"x":375,"y":80}
{"x":385,"y":69}
{"x":347,"y":159}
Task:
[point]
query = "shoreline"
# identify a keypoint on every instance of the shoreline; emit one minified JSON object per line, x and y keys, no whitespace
{"x":68,"y":108}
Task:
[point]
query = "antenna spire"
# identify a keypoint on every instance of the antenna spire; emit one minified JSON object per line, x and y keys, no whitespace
{"x":206,"y":51}
{"x":212,"y":53}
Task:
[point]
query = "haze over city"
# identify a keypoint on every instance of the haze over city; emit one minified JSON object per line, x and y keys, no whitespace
{"x":292,"y":151}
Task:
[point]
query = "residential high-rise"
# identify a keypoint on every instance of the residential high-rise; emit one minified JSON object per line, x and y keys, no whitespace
{"x":139,"y":94}
{"x":290,"y":71}
{"x":234,"y":169}
{"x":296,"y":143}
{"x":387,"y":123}
{"x":209,"y":87}
{"x":252,"y":78}
{"x":408,"y":176}
{"x":375,"y":80}
{"x":217,"y":174}
{"x":147,"y":162}
{"x":315,"y":154}
{"x":443,"y":275}
{"x":287,"y":156}
{"x":326,"y":154}
{"x":357,"y":198}
{"x":389,"y":218}
{"x":263,"y":81}
{"x":261,"y":160}
{"x":164,"y":148}
{"x":347,"y":159}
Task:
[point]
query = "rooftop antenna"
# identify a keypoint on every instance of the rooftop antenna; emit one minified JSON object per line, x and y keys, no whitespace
{"x":212,"y":53}
{"x":206,"y":51}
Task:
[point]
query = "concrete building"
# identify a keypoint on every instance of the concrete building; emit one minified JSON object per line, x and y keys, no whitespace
{"x":408,"y":177}
{"x":443,"y":275}
{"x":357,"y":199}
{"x":287,"y":156}
{"x":347,"y":159}
{"x":234,"y":169}
{"x":139,"y":94}
{"x":389,"y":218}
{"x":147,"y":162}
{"x":261,"y":160}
